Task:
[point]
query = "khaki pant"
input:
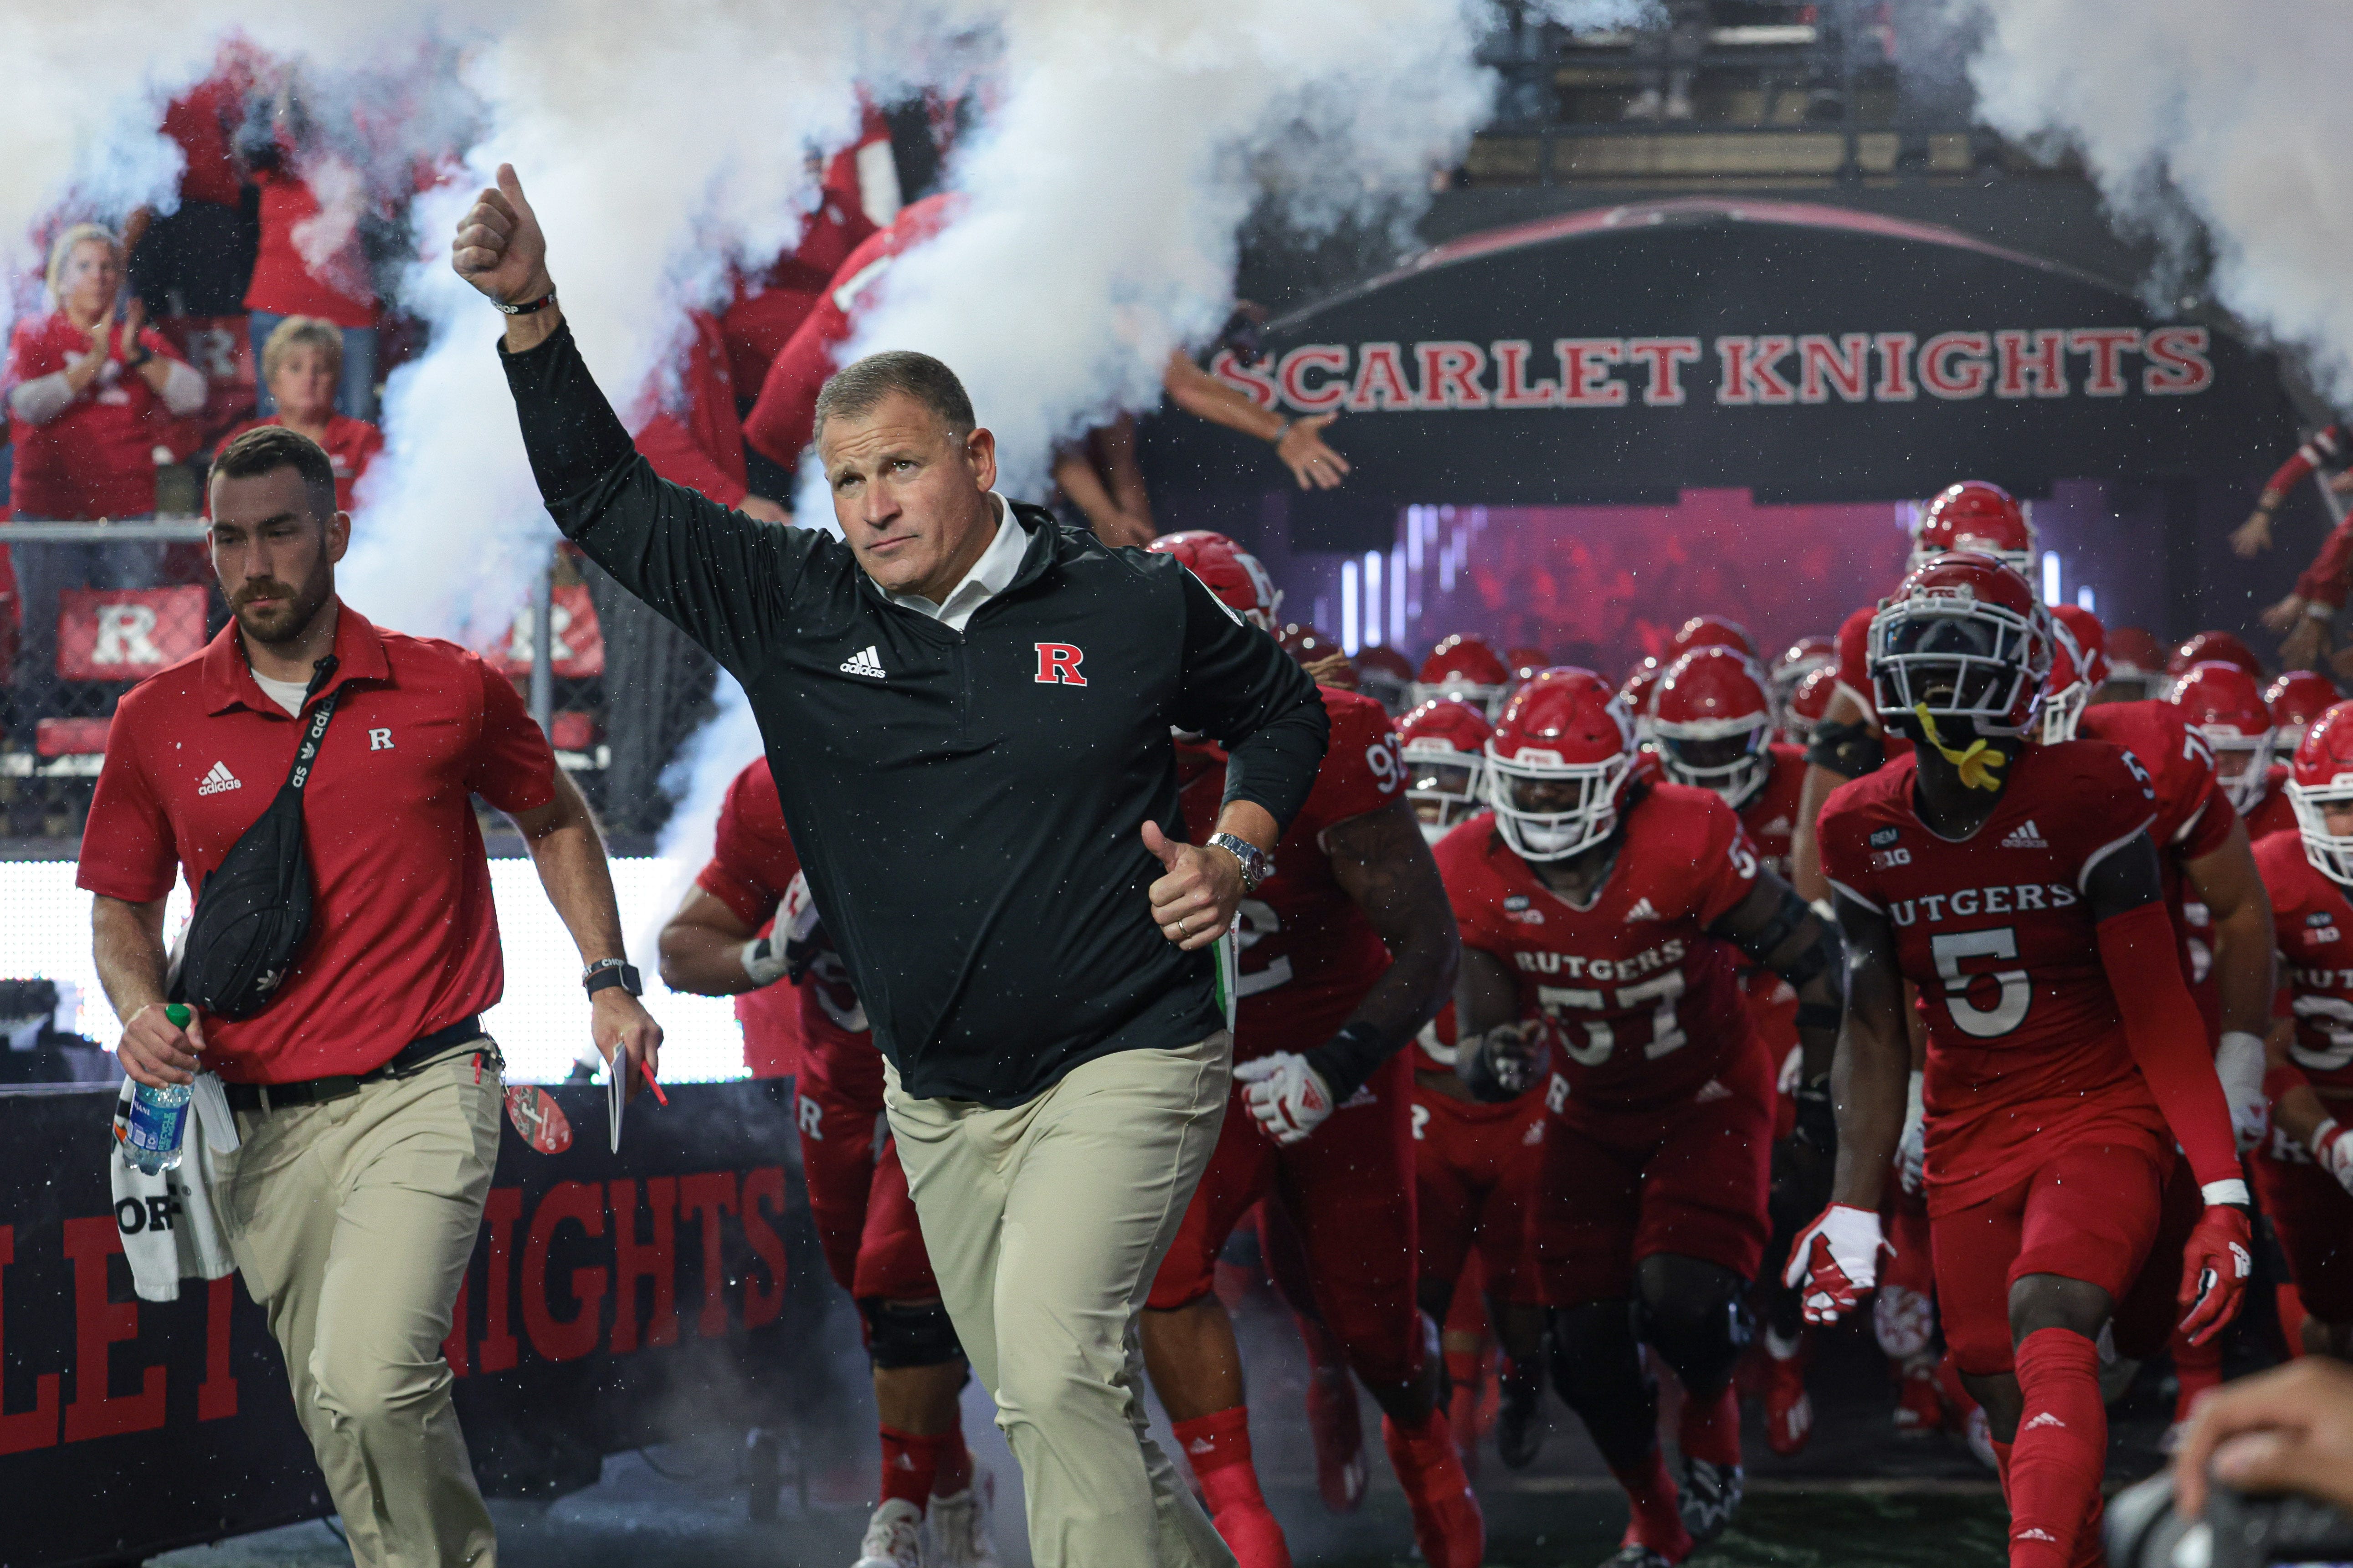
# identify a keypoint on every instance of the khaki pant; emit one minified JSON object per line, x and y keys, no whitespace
{"x":351,"y":1223}
{"x":1045,"y":1224}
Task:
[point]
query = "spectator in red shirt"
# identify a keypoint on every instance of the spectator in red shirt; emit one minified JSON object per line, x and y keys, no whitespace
{"x":310,"y":261}
{"x":367,"y":1095}
{"x":197,"y":259}
{"x":302,"y":364}
{"x":696,"y":438}
{"x":87,"y":395}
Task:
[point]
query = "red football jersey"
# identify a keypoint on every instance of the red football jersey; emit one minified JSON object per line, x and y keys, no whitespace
{"x":753,"y":863}
{"x":2311,"y":916}
{"x":2193,"y":813}
{"x":1771,"y":813}
{"x":1308,"y":953}
{"x":2024,"y":1038}
{"x":1643,"y":1005}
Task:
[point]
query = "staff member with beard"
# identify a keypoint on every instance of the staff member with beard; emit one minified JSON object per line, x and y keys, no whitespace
{"x":967,"y":712}
{"x":367,"y":1095}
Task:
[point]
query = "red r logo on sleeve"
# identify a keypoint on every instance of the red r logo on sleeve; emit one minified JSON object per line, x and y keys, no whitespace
{"x":1058,"y":665}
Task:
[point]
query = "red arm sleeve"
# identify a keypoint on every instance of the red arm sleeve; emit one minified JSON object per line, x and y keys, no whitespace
{"x":666,"y":444}
{"x":2322,"y":582}
{"x":2289,"y":474}
{"x":2167,"y":1039}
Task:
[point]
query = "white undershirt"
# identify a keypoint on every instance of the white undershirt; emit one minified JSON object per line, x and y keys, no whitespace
{"x":287,"y":694}
{"x":990,"y":575}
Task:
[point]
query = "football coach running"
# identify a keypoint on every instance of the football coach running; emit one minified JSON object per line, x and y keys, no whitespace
{"x":967,"y":712}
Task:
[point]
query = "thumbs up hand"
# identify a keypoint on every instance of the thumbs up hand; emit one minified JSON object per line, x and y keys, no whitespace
{"x":499,"y":248}
{"x":1193,"y":901}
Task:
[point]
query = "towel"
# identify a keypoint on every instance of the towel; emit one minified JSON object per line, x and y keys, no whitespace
{"x":170,"y":1231}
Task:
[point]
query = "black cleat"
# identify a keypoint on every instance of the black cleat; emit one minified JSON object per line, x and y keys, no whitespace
{"x":1711,"y":1496}
{"x":1519,"y":1414}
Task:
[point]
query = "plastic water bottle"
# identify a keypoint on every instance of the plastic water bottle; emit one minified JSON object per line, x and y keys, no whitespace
{"x":159,"y":1117}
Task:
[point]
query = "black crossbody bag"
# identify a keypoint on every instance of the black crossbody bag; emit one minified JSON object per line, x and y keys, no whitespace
{"x":254,"y":909}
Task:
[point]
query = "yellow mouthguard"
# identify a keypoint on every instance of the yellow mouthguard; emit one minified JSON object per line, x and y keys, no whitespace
{"x":1980,"y":768}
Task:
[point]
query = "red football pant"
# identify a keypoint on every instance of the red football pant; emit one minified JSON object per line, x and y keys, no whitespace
{"x":2313,"y":1217}
{"x":2086,"y":1212}
{"x":1475,"y":1174}
{"x":1349,"y":1188}
{"x":866,"y":1223}
{"x":1616,"y":1187}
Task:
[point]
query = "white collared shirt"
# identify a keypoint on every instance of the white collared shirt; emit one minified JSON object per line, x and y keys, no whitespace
{"x":990,"y":575}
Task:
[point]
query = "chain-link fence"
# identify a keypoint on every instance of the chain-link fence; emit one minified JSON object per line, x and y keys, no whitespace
{"x":89,"y":609}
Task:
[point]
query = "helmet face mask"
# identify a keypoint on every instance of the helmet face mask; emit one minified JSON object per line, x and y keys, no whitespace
{"x":2320,"y":778}
{"x":1558,"y":765}
{"x":1711,"y":722}
{"x":1964,"y":641}
{"x":1445,"y":765}
{"x":1551,"y":811}
{"x":2242,"y":763}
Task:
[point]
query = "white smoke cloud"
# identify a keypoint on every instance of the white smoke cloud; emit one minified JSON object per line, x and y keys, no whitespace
{"x":2237,"y":114}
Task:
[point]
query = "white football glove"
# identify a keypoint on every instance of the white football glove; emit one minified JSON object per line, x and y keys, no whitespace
{"x":2239,"y":1063}
{"x":1912,"y":1148}
{"x":764,"y":960}
{"x":2332,"y":1147}
{"x":1834,"y":1261}
{"x":1289,"y":1097}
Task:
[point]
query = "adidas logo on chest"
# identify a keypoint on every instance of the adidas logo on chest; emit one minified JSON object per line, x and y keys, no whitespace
{"x":865,"y":662}
{"x":219,"y":780}
{"x":2025,"y":835}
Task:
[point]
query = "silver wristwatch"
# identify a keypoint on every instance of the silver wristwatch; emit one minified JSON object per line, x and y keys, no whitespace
{"x":1257,"y":864}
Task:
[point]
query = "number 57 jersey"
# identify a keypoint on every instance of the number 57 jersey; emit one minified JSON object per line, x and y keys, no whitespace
{"x":1642,"y":1007}
{"x":2026,"y":1048}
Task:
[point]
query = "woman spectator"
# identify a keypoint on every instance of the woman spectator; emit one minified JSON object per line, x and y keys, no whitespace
{"x":302,"y":366}
{"x":87,"y":395}
{"x":311,"y":261}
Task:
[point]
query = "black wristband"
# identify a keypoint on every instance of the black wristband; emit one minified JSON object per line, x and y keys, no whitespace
{"x":529,"y":307}
{"x":1816,"y":1118}
{"x":1848,"y":750}
{"x":1346,"y":1060}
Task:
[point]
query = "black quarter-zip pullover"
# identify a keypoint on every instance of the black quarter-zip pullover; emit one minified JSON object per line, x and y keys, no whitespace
{"x":968,"y":805}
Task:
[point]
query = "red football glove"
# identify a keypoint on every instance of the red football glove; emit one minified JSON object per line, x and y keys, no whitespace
{"x":1836,"y":1260}
{"x":2214,"y":1270}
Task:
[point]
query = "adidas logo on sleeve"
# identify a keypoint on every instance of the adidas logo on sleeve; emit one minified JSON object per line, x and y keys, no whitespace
{"x":219,"y":780}
{"x":865,"y":662}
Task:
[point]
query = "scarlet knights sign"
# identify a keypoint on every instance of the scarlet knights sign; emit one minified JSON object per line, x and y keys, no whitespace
{"x":1808,"y":353}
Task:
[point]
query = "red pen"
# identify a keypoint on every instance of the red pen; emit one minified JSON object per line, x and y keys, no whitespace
{"x":659,"y":1097}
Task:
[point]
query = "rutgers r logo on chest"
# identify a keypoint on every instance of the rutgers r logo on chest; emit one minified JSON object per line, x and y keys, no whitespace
{"x":1058,"y":664}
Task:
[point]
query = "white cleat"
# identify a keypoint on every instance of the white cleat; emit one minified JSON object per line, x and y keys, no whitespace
{"x":894,"y":1537}
{"x":960,"y":1524}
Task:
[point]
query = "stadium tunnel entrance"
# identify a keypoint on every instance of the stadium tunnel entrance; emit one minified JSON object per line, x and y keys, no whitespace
{"x":1577,"y":431}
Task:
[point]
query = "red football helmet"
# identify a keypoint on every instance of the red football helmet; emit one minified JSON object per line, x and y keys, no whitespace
{"x":1319,"y":653}
{"x":2078,"y":668}
{"x":1974,"y":515}
{"x":1808,"y":703}
{"x":2205,"y":648}
{"x":1558,"y":765}
{"x":1384,"y":675}
{"x":2296,"y":700}
{"x":1710,"y":631}
{"x":1464,"y":667}
{"x":1711,"y":720}
{"x":2321,"y":777}
{"x":1231,"y":572}
{"x":1445,"y":764}
{"x":2223,"y":703}
{"x":1635,"y":690}
{"x":1961,"y":638}
{"x":1525,"y":660}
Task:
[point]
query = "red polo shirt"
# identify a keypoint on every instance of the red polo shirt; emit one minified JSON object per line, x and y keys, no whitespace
{"x":403,"y":939}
